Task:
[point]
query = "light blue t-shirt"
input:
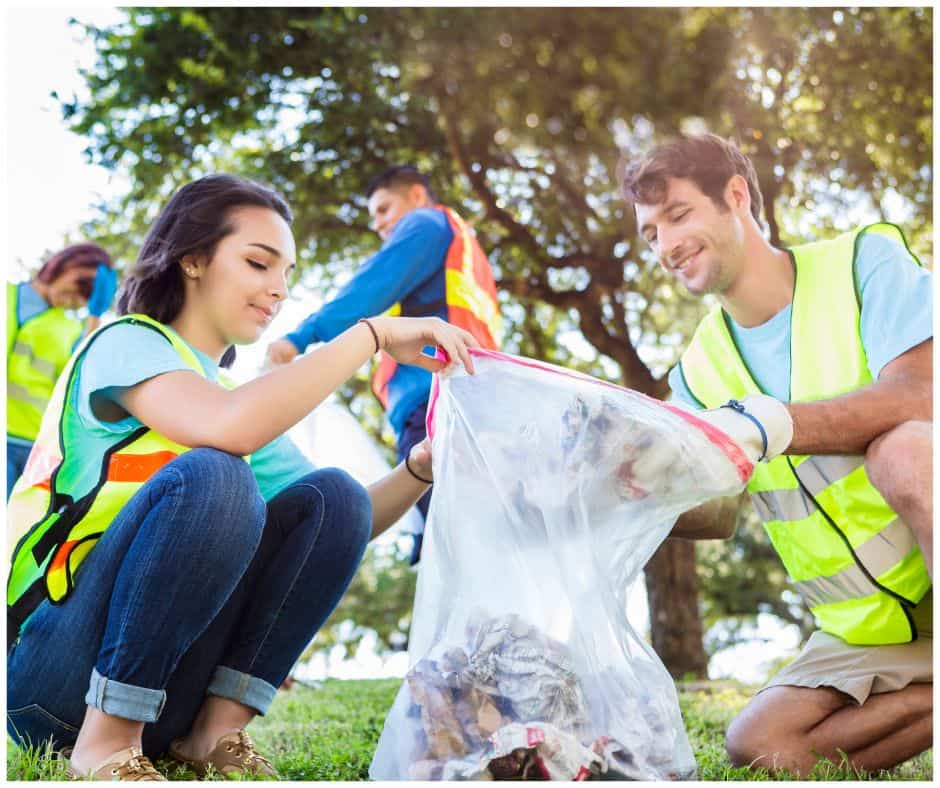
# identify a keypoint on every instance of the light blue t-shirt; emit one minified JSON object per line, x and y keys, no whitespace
{"x":896,"y":315}
{"x":28,"y":303}
{"x":126,"y":355}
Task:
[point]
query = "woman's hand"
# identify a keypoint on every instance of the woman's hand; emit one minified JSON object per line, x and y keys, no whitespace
{"x":403,"y":338}
{"x":419,"y":459}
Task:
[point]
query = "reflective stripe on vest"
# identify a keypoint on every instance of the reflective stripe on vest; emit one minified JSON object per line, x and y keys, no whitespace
{"x":816,"y":473}
{"x":852,"y":582}
{"x":36,"y":351}
{"x":856,"y":564}
{"x":470,"y":295}
{"x":41,"y":365}
{"x":54,"y":521}
{"x":21,"y":393}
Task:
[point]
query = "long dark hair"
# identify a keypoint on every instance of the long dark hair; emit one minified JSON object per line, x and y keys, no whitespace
{"x":193,"y":222}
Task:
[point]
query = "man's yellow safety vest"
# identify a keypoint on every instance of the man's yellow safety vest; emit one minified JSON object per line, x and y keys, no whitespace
{"x":53,"y":522}
{"x":855,"y":562}
{"x":37,"y":352}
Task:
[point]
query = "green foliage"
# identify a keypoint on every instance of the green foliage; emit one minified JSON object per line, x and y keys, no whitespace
{"x":522,"y":116}
{"x":331,"y":734}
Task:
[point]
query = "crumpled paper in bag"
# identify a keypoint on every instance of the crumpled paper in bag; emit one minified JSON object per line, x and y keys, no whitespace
{"x":552,"y":490}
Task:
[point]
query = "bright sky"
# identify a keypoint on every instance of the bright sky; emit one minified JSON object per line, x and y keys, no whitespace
{"x":50,"y":184}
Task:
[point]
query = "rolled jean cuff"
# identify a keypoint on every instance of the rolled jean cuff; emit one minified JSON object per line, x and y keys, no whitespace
{"x":245,"y":689}
{"x":127,"y":701}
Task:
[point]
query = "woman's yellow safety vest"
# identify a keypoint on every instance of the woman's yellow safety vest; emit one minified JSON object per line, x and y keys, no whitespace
{"x":53,"y":523}
{"x":37,"y":352}
{"x":855,"y":562}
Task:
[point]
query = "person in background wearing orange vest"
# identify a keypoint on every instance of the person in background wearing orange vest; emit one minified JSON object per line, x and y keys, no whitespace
{"x":430,"y":264}
{"x":41,"y":336}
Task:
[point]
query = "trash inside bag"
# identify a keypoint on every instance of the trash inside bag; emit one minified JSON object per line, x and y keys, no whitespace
{"x":552,"y":490}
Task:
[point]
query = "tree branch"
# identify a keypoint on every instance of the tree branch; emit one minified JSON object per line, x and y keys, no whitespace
{"x":518,"y":232}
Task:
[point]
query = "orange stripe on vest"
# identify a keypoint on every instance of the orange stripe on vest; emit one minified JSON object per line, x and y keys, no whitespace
{"x":62,"y":556}
{"x":137,"y":467}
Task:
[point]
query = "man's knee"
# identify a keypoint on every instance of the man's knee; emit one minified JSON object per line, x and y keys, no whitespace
{"x":770,"y":731}
{"x":899,"y":463}
{"x":746,"y":740}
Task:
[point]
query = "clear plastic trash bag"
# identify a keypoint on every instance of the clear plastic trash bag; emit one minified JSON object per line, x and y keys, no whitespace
{"x":552,"y":490}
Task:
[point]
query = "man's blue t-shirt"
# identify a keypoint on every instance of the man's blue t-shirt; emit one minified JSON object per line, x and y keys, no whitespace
{"x":896,"y":315}
{"x":126,"y":355}
{"x":408,"y":269}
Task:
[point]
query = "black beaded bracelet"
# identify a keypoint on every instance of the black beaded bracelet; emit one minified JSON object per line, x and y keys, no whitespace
{"x":408,"y":466}
{"x":375,"y":336}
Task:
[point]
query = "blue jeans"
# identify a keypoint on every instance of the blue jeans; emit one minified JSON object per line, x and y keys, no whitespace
{"x":415,"y":431}
{"x":197,"y":587}
{"x":17,"y":454}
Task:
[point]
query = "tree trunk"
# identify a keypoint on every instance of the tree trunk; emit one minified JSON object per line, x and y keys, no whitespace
{"x":675,"y":621}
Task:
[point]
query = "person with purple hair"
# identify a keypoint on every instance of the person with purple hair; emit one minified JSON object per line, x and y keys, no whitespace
{"x":41,"y":335}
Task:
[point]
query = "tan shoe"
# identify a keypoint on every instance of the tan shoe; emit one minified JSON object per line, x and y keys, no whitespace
{"x":233,"y":754}
{"x":129,"y":765}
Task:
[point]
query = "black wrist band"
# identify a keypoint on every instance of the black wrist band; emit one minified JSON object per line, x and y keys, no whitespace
{"x":375,"y":336}
{"x":408,"y":466}
{"x":737,"y":407}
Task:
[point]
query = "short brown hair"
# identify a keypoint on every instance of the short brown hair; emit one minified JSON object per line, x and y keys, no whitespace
{"x":707,"y":160}
{"x":85,"y":255}
{"x":399,"y":177}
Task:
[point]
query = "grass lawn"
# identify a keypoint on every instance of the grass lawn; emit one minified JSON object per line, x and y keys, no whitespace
{"x":330,"y":734}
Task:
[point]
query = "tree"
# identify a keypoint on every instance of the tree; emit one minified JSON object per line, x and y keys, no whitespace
{"x":523,"y":118}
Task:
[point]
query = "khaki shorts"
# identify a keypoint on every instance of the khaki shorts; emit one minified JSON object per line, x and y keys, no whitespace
{"x":860,"y":671}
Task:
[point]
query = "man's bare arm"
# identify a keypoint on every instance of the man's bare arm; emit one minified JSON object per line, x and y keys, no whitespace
{"x":847,"y":424}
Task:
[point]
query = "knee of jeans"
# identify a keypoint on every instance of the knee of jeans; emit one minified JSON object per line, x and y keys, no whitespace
{"x":226,"y":490}
{"x":209,"y":471}
{"x":352,"y":498}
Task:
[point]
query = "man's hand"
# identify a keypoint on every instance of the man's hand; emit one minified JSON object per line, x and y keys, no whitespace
{"x":283,"y":351}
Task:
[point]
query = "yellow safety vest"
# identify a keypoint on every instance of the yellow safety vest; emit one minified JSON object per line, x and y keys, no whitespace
{"x":37,"y":352}
{"x":855,"y":562}
{"x":54,"y":523}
